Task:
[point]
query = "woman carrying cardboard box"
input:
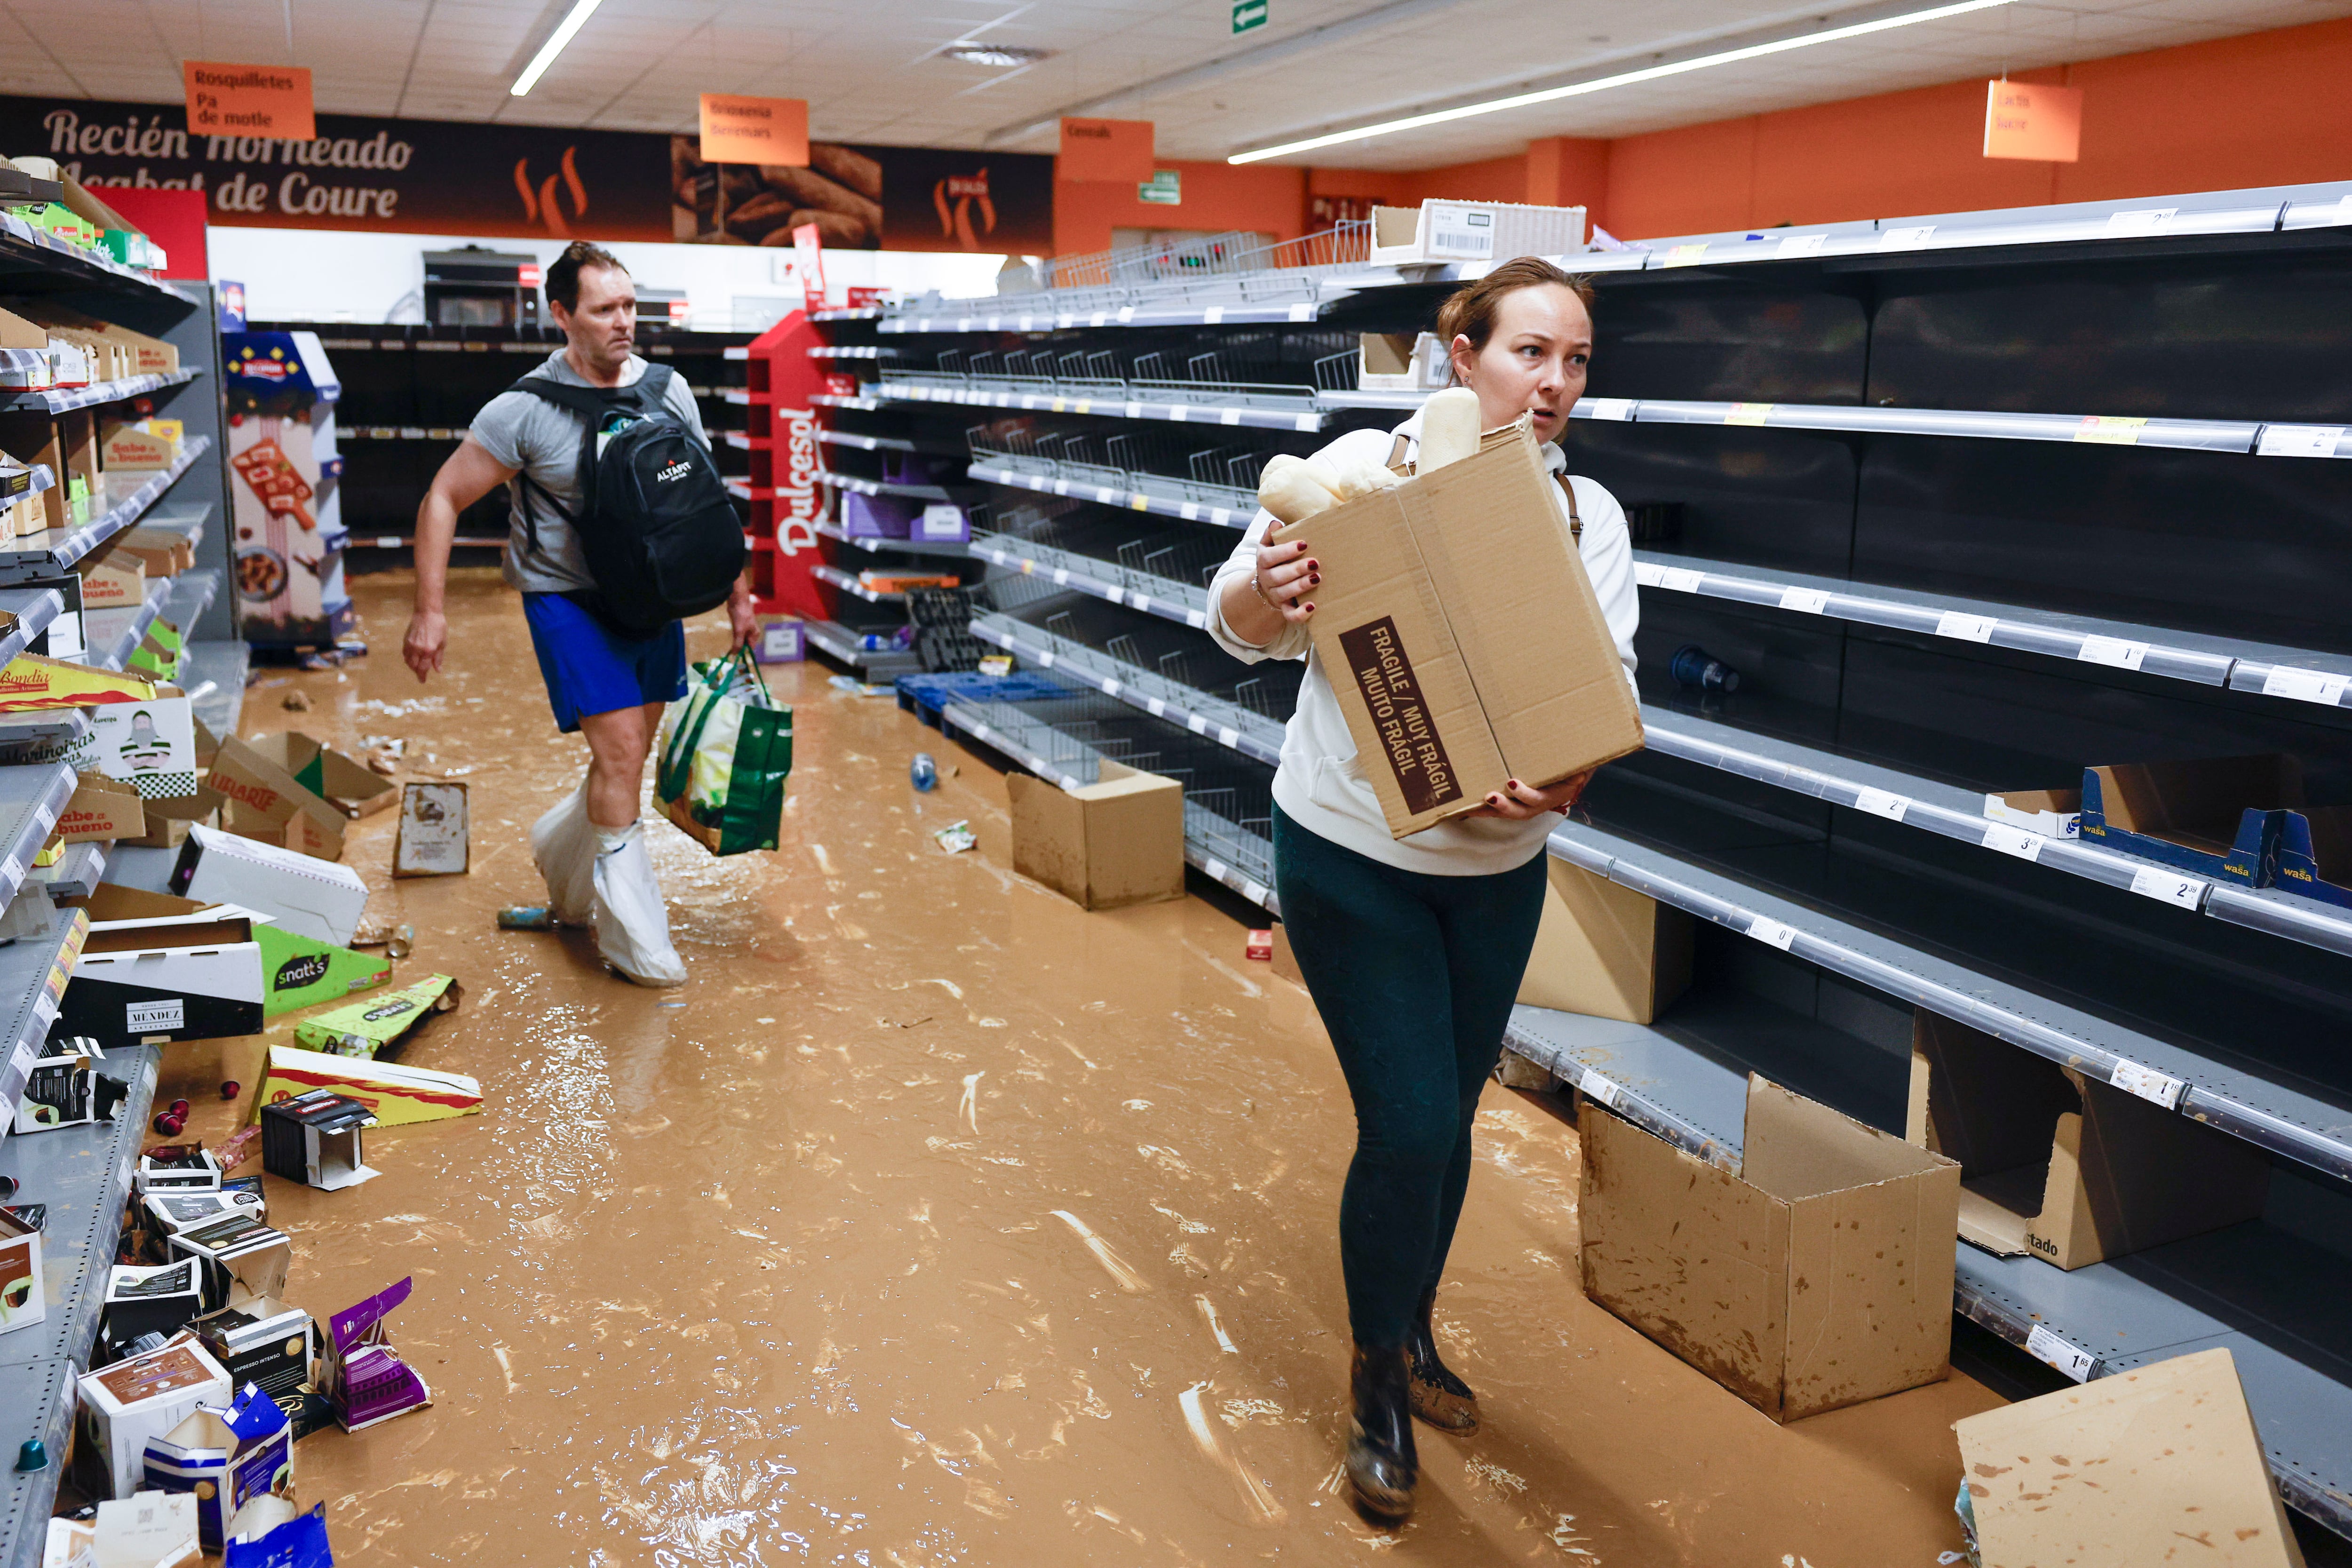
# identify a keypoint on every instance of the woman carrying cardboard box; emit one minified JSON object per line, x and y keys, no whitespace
{"x":1413,"y":948}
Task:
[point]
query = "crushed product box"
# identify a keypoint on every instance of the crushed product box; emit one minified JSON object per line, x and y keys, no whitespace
{"x":171,"y":1213}
{"x":1106,"y":845}
{"x":2057,"y":1164}
{"x":1456,"y":677}
{"x":145,"y":1529}
{"x":432,"y":840}
{"x":1816,"y":1276}
{"x":261,"y":1340}
{"x":365,"y":1376}
{"x":238,"y":1253}
{"x":268,"y":805}
{"x":2051,"y":813}
{"x":2161,"y":1464}
{"x":160,"y":1298}
{"x":144,"y":1396}
{"x":31,"y":682}
{"x":193,"y":976}
{"x":351,"y":788}
{"x":22,"y":1299}
{"x":314,"y":1139}
{"x":2213,"y":815}
{"x":101,"y":810}
{"x":64,"y":1089}
{"x":1437,"y":232}
{"x":1401,"y":362}
{"x":1606,"y":950}
{"x":398,"y":1094}
{"x":309,"y":896}
{"x":366,"y":1029}
{"x":176,"y":1169}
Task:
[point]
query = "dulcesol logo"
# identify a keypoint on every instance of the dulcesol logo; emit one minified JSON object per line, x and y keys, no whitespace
{"x":955,"y":221}
{"x":540,"y":205}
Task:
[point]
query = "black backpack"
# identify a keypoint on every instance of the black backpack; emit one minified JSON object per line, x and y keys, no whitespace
{"x":663,"y":539}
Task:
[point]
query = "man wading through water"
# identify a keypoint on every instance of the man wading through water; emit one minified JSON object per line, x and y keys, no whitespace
{"x":609,"y":548}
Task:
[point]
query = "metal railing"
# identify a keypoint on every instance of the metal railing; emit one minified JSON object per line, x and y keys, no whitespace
{"x":1241,"y":265}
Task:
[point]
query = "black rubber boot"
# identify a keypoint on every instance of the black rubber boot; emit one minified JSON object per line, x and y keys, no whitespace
{"x":1382,"y":1465}
{"x":1439,"y":1397}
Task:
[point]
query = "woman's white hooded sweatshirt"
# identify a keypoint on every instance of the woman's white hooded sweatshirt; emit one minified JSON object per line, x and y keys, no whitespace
{"x":1319,"y":783}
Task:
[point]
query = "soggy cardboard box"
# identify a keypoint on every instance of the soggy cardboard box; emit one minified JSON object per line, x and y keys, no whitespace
{"x":350,"y":787}
{"x":432,"y":840}
{"x":1462,"y":637}
{"x":296,"y":971}
{"x":1818,"y":1275}
{"x":1605,"y":950}
{"x":2213,"y":815}
{"x":367,"y":1028}
{"x":2061,"y":1165}
{"x":304,"y":894}
{"x":399,"y":1095}
{"x":1106,"y":845}
{"x":2161,"y":1464}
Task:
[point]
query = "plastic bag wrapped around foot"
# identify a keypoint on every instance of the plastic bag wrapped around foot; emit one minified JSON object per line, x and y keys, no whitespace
{"x":632,"y":926}
{"x":563,"y":844}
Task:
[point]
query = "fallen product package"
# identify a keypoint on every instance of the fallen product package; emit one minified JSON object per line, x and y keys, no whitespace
{"x":1455,"y":677}
{"x":268,"y":805}
{"x":365,"y":1376}
{"x":102,"y":810}
{"x":161,"y":1299}
{"x":296,"y":971}
{"x":351,"y":788}
{"x":432,"y":840}
{"x":1816,"y":1276}
{"x":65,"y":1089}
{"x":365,"y":1029}
{"x":304,"y":894}
{"x":314,"y":1139}
{"x":268,"y":1534}
{"x":122,"y":1405}
{"x":225,"y":1457}
{"x":239,"y":1256}
{"x":2160,"y":1464}
{"x":399,"y":1095}
{"x":144,"y":1530}
{"x":1103,"y":845}
{"x":23,"y":1300}
{"x":261,"y":1341}
{"x":180,"y":976}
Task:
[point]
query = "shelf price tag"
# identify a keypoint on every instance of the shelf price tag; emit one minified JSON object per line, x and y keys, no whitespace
{"x":2110,"y":430}
{"x":2053,"y":1349}
{"x":1681,"y":579}
{"x":1811,"y":601}
{"x":1617,"y":409}
{"x":2169,"y":887}
{"x":1647,"y":574}
{"x":1965,"y":626}
{"x":1772,"y":933}
{"x":1748,"y":414}
{"x":2146,"y":220}
{"x":1684,"y":255}
{"x":2120,"y":652}
{"x":2161,"y":1088}
{"x":2017,"y":841}
{"x":2299,"y":441}
{"x":1883,"y":802}
{"x":1801,"y":244}
{"x":2305,"y":685}
{"x":1595,"y":1086}
{"x":1913,"y":239}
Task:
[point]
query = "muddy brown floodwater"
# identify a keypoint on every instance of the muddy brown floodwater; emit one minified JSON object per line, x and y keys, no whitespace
{"x":936,"y":1221}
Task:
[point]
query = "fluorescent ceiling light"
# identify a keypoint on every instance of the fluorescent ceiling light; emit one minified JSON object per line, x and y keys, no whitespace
{"x":1002,"y":57}
{"x":1623,"y":78}
{"x":581,"y":11}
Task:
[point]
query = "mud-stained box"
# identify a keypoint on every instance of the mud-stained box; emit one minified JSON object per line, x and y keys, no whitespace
{"x":1817,"y":1276}
{"x":1106,"y":845}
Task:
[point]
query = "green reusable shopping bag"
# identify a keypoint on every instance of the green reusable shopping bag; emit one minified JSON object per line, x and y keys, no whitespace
{"x":726,"y":752}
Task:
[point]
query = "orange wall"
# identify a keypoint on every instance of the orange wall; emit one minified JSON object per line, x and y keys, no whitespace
{"x":2264,"y":109}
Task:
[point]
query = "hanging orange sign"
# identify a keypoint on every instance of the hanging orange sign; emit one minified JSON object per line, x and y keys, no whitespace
{"x":227,"y":99}
{"x":1108,"y":150}
{"x":771,"y":131}
{"x":2030,"y":120}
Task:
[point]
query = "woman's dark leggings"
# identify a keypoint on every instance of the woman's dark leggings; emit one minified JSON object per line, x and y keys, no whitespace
{"x":1414,"y":976}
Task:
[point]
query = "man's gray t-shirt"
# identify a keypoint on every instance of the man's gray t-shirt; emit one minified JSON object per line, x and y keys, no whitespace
{"x":519,"y":431}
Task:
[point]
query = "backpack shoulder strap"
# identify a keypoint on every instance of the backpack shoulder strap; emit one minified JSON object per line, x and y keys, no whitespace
{"x":1396,"y":452}
{"x":1575,"y":522}
{"x":588,"y":402}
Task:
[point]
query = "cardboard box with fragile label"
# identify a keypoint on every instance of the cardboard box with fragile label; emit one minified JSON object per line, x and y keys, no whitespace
{"x":2057,"y":1164}
{"x":2160,"y":1464}
{"x":1816,"y":1276}
{"x":1606,"y":950}
{"x":1106,"y":845}
{"x":1462,"y":637}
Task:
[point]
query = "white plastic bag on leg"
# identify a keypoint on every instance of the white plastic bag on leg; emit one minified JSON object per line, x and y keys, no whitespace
{"x":632,"y":926}
{"x":564,"y":843}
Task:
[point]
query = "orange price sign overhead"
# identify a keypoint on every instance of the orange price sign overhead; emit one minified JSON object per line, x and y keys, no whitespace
{"x":1108,"y":150}
{"x":755,"y":129}
{"x":2031,"y":119}
{"x":225,"y":99}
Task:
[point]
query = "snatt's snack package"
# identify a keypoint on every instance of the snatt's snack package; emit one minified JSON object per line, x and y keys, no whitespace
{"x":365,"y":1029}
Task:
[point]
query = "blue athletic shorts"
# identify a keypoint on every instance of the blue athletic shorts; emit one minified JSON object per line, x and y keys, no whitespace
{"x":591,"y":669}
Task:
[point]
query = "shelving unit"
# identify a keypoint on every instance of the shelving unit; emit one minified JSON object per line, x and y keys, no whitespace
{"x":82,"y":1175}
{"x":1862,"y":474}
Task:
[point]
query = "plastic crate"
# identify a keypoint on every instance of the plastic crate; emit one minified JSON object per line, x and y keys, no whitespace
{"x":925,"y":695}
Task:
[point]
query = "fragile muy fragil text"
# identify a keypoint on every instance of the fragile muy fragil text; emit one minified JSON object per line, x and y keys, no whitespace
{"x":1408,"y":738}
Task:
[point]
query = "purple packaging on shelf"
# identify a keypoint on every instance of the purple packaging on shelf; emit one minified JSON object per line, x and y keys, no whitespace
{"x":904,"y":468}
{"x":877,"y":517}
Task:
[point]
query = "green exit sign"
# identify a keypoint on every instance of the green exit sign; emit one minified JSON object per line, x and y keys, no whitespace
{"x":1248,"y":14}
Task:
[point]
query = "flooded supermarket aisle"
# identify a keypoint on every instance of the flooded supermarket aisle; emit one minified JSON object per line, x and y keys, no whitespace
{"x":938,"y":1221}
